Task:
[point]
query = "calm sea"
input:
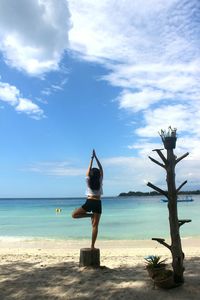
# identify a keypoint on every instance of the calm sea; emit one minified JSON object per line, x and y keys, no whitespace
{"x":122,"y":218}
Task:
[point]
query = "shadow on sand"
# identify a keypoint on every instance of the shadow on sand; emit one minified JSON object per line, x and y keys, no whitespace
{"x":25,"y":280}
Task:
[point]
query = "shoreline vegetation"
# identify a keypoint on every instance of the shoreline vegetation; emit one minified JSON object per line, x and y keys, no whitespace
{"x":122,"y":194}
{"x":138,"y":193}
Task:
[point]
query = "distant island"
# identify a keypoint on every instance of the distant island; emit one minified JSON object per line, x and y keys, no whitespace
{"x":131,"y":193}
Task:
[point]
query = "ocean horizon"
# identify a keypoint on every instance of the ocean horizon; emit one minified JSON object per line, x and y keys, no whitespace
{"x":123,"y":218}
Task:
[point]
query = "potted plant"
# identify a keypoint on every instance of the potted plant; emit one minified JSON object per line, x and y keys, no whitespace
{"x":169,"y":138}
{"x":164,"y":279}
{"x":154,"y":265}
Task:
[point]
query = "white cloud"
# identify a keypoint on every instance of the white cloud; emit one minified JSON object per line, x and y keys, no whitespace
{"x":145,"y":146}
{"x":34,"y":34}
{"x":33,"y":39}
{"x":151,"y":51}
{"x":8,"y":93}
{"x":117,"y":31}
{"x":123,"y":174}
{"x":131,"y":33}
{"x":62,"y":168}
{"x":133,"y":173}
{"x":30,"y":108}
{"x":141,"y":100}
{"x":177,"y":116}
{"x":11,"y":95}
{"x":54,"y":87}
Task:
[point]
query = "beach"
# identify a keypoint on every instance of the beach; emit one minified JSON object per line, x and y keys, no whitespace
{"x":49,"y":269}
{"x":40,"y":248}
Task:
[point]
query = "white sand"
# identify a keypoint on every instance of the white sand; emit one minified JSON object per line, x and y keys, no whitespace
{"x":50,"y":270}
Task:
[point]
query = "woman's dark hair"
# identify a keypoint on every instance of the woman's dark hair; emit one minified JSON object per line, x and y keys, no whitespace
{"x":94,"y":179}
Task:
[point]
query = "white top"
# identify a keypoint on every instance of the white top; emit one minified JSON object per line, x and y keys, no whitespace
{"x":90,"y":192}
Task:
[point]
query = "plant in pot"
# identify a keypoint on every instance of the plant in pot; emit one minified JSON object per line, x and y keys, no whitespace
{"x":169,"y":138}
{"x":154,"y":265}
{"x":164,"y":279}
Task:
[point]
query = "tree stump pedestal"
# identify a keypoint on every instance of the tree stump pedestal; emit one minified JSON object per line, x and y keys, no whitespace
{"x":89,"y":258}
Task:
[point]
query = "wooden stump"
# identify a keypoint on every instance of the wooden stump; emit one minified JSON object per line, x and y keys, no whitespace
{"x":89,"y":257}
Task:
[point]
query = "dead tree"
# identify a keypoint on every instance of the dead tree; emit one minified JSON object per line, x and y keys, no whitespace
{"x":169,"y":163}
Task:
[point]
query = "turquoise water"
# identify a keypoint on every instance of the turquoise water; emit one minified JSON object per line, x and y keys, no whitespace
{"x":122,"y":218}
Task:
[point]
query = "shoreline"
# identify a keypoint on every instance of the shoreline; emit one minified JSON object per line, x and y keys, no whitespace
{"x":10,"y":244}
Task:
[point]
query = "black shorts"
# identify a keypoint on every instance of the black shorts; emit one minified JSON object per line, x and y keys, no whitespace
{"x":92,"y":205}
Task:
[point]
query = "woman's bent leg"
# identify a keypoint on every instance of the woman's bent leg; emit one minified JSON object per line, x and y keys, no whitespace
{"x":95,"y":222}
{"x":80,"y":213}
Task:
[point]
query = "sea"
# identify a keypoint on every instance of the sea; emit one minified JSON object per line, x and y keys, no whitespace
{"x":123,"y":218}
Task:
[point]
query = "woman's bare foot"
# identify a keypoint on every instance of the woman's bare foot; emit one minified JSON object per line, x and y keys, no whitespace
{"x":93,"y":248}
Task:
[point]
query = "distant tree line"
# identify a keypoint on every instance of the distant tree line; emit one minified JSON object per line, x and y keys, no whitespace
{"x":131,"y":193}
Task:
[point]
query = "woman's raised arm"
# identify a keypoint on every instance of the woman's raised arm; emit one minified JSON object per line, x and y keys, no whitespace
{"x":90,"y":164}
{"x":98,"y":163}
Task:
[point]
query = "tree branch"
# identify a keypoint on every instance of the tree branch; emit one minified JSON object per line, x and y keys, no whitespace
{"x":162,"y":241}
{"x":156,"y":162}
{"x":157,"y":189}
{"x":161,"y":155}
{"x":181,"y":157}
{"x":178,"y":189}
{"x":182,"y":222}
{"x":158,"y":149}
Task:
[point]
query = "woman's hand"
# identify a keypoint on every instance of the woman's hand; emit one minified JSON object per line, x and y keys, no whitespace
{"x":93,"y":153}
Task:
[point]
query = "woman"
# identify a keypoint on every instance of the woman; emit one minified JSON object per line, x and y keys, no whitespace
{"x":94,"y":180}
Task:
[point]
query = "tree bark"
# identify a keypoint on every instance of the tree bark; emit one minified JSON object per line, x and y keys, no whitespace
{"x":176,"y":248}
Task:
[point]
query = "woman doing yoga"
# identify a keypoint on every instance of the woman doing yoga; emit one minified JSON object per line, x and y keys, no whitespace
{"x":92,"y":207}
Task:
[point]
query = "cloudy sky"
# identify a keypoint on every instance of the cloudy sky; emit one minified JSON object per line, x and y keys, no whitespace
{"x":82,"y":74}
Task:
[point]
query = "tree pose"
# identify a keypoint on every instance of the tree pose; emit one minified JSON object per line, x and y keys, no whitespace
{"x":92,"y":207}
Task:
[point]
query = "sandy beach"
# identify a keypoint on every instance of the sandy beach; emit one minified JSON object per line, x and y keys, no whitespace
{"x":47,"y":269}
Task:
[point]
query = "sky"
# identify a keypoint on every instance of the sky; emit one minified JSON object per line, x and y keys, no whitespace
{"x":109,"y":75}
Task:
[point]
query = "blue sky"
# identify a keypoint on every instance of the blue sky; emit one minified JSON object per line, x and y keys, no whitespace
{"x":81,"y":74}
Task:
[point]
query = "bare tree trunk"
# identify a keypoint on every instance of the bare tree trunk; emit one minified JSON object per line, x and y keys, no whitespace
{"x":176,"y":248}
{"x":169,"y":163}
